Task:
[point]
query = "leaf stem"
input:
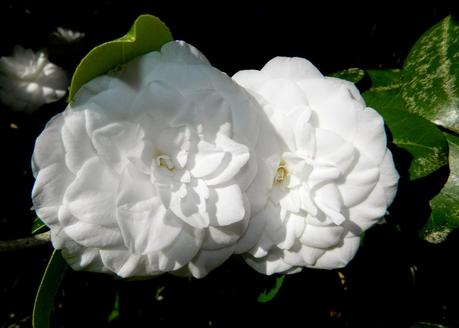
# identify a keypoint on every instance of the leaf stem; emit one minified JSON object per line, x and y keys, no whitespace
{"x":22,"y":243}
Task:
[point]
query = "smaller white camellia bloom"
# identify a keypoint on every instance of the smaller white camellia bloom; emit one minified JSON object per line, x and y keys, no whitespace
{"x":150,"y":168}
{"x":29,"y":80}
{"x":64,"y":35}
{"x":335,"y":177}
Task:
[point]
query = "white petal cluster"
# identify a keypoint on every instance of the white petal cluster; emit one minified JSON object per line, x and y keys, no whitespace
{"x":335,"y":177}
{"x":150,"y":168}
{"x":29,"y":80}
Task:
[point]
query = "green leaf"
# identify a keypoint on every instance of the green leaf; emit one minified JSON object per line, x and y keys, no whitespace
{"x":353,"y":75}
{"x":116,"y":309}
{"x":38,"y":226}
{"x":422,"y":139}
{"x":147,"y":34}
{"x":431,"y":75}
{"x":268,"y":296}
{"x":384,"y":79}
{"x":44,"y":300}
{"x":445,"y":206}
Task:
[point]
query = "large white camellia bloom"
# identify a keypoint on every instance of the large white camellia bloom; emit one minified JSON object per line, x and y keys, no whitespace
{"x":150,"y":168}
{"x":29,"y":80}
{"x":335,"y":177}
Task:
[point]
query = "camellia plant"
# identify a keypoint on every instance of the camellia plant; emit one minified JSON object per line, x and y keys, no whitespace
{"x":163,"y":164}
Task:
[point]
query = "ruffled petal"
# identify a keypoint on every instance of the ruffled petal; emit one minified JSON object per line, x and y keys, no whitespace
{"x":302,"y":255}
{"x":226,"y":205}
{"x":360,"y":181}
{"x":92,"y":195}
{"x":145,"y":224}
{"x":182,"y":251}
{"x":207,"y":260}
{"x":294,"y":68}
{"x":388,"y":177}
{"x":328,"y":200}
{"x":272,"y":263}
{"x":250,"y":79}
{"x":371,"y":210}
{"x":239,"y":154}
{"x":183,"y":53}
{"x":207,"y":159}
{"x":371,"y":137}
{"x":294,"y":225}
{"x":339,"y":257}
{"x":77,"y":145}
{"x":322,"y":236}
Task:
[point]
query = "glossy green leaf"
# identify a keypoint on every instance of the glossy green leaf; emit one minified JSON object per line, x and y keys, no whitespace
{"x":445,"y":206}
{"x":50,"y":282}
{"x":147,"y":34}
{"x":353,"y":75}
{"x":431,"y":75}
{"x":268,"y":296}
{"x":422,"y":139}
{"x":38,"y":226}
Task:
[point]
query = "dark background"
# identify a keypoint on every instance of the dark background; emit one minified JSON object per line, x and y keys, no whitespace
{"x":395,"y":280}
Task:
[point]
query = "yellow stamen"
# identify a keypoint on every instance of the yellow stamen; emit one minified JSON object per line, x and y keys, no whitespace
{"x":281,"y":173}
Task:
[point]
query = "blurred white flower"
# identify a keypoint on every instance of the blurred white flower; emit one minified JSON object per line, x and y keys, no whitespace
{"x":63,"y":35}
{"x":335,"y":177}
{"x":148,"y":170}
{"x":28,"y":80}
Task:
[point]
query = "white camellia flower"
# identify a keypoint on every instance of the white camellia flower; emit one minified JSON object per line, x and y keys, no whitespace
{"x":149,"y":169}
{"x":335,"y":177}
{"x":29,"y":80}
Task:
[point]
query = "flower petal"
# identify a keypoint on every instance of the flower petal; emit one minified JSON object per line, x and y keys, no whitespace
{"x":333,"y":150}
{"x":295,"y":225}
{"x":186,"y":204}
{"x":356,"y":186}
{"x":302,"y":255}
{"x":328,"y":199}
{"x":91,"y":196}
{"x":183,"y":53}
{"x":207,"y":159}
{"x":294,"y":68}
{"x":388,"y":177}
{"x":77,"y":145}
{"x":272,"y":263}
{"x":181,"y":252}
{"x":339,"y":257}
{"x":250,"y":79}
{"x":207,"y":260}
{"x":145,"y":224}
{"x":226,"y":205}
{"x":322,"y":236}
{"x":371,"y":137}
{"x":239,"y":155}
{"x":88,"y":234}
{"x":371,"y":210}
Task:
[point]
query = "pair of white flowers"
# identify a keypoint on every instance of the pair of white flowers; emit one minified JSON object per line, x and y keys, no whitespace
{"x":169,"y":165}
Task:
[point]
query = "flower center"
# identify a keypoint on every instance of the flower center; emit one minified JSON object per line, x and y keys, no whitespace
{"x":165,"y":161}
{"x":281,"y":173}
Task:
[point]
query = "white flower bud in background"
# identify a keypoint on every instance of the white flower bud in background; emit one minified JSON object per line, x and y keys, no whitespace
{"x":28,"y":80}
{"x":335,"y":177}
{"x":149,"y":169}
{"x":64,"y":35}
